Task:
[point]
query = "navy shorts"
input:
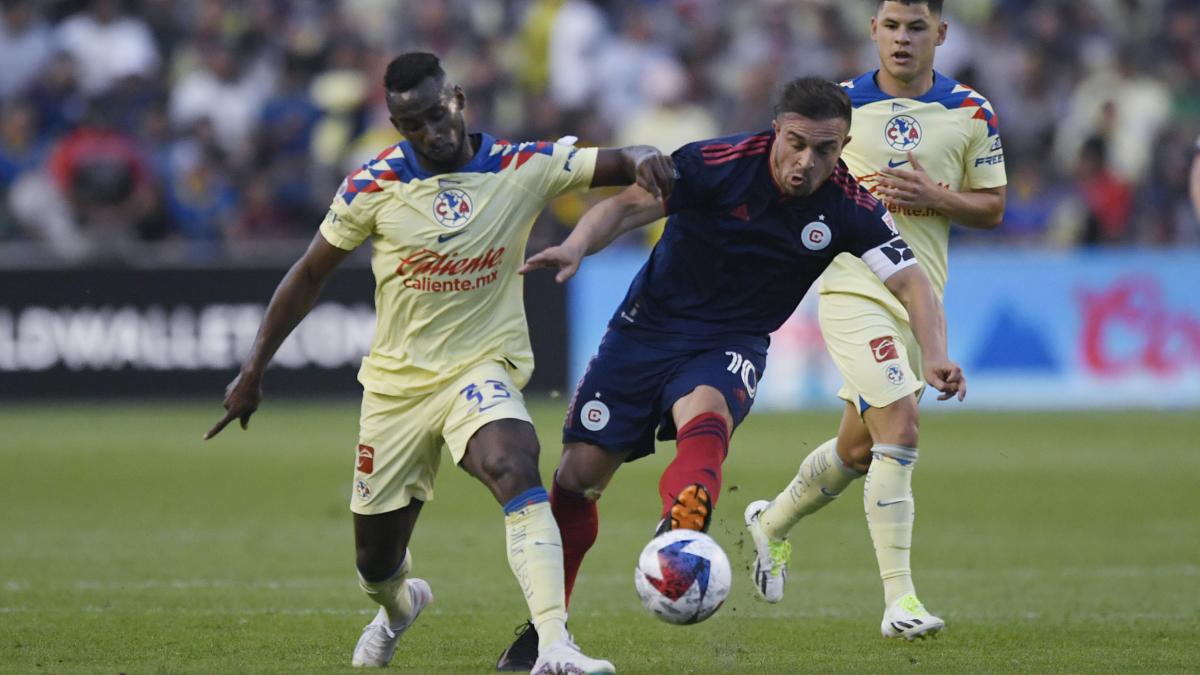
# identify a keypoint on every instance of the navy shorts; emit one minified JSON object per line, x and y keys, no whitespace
{"x":629,"y":387}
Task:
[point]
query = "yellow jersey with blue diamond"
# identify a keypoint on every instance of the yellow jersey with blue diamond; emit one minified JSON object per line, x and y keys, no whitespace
{"x":446,"y":249}
{"x":953,"y":132}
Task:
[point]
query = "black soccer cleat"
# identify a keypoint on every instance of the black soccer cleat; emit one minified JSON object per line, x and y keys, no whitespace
{"x":522,"y":654}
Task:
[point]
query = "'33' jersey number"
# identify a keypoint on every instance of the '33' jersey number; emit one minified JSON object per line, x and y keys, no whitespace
{"x":489,"y":395}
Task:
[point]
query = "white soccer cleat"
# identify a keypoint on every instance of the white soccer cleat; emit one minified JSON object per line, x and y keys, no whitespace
{"x":564,"y":658}
{"x":770,"y":557}
{"x":379,"y":639}
{"x":907,"y":618}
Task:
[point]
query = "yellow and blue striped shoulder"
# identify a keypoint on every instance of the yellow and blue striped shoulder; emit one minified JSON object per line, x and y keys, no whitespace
{"x":946,"y":91}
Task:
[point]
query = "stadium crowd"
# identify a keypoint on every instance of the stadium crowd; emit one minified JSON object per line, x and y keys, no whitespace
{"x":212,"y":123}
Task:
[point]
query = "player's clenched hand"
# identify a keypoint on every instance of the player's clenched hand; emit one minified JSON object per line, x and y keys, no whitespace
{"x":910,"y":189}
{"x":948,"y":378}
{"x":242,"y":397}
{"x":564,"y":257}
{"x":656,"y":173}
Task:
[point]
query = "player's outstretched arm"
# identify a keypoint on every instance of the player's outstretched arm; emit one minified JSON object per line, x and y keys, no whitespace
{"x":912,"y":287}
{"x":602,"y":224}
{"x":979,"y":209}
{"x":293,"y":299}
{"x":641,"y":164}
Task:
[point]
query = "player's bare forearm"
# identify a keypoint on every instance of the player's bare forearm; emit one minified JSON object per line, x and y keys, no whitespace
{"x":640,"y":164}
{"x":977,"y":209}
{"x":598,"y":228}
{"x":291,"y":302}
{"x":611,"y":218}
{"x":981,"y":209}
{"x":293,"y":299}
{"x":912,"y":288}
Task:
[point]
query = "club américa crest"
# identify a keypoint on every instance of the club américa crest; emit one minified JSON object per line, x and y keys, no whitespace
{"x":452,"y":208}
{"x":902,"y":132}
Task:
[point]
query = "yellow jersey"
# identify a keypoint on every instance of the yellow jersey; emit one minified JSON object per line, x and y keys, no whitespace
{"x":446,"y":249}
{"x":953,"y":132}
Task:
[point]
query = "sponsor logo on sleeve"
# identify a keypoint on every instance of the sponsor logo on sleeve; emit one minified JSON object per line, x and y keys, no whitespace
{"x":990,"y":160}
{"x":884,"y":349}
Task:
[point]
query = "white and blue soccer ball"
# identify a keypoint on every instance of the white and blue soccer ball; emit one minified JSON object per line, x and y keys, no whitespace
{"x":682,"y":576}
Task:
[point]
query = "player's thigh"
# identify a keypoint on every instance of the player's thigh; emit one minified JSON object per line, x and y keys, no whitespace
{"x":617,"y":405}
{"x":704,"y":399}
{"x":872,"y":348}
{"x":723,"y":380}
{"x":399,"y":449}
{"x":482,"y":395}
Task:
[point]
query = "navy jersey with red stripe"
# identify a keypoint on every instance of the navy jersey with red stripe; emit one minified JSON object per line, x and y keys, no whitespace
{"x":737,"y":254}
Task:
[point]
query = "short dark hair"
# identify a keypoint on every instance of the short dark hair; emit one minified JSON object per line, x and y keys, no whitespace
{"x":814,"y":98}
{"x":408,"y":70}
{"x":935,"y":6}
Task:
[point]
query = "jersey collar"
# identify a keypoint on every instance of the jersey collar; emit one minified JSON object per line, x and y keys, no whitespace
{"x":865,"y":89}
{"x":475,"y":165}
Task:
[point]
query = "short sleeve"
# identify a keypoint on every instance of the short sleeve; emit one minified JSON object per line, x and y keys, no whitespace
{"x":875,"y":239}
{"x":349,"y":220}
{"x":694,"y":186}
{"x":570,"y":168}
{"x":984,"y":157}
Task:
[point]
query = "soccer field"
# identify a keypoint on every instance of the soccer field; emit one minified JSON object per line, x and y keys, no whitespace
{"x":1048,"y":542}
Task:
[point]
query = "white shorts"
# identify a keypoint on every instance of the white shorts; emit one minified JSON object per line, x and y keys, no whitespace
{"x":874,"y":349}
{"x":400,"y":438}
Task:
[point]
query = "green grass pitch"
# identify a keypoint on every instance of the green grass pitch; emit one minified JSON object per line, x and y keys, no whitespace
{"x":1048,"y":542}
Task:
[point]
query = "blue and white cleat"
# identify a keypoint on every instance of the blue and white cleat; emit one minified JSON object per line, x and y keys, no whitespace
{"x":907,"y":618}
{"x":379,"y":639}
{"x":770,"y":557}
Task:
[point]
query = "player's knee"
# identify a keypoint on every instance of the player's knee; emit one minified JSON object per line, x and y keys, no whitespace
{"x":703,"y":399}
{"x":511,"y":470}
{"x":856,"y":457}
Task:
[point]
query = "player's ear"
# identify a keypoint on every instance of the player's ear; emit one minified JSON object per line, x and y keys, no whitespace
{"x":460,"y":96}
{"x":846,"y":141}
{"x":775,"y":126}
{"x":874,"y":26}
{"x":942,"y":28}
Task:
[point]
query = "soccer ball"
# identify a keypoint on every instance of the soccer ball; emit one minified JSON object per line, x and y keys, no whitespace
{"x":682,"y":576}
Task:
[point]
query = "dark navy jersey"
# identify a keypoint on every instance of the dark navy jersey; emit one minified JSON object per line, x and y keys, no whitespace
{"x":738,"y":254}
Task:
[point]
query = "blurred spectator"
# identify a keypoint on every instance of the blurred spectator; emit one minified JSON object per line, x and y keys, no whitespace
{"x":578,"y":35}
{"x":265,"y":104}
{"x":1106,"y":196}
{"x":227,"y":91}
{"x":94,"y":194}
{"x":108,"y":45}
{"x":25,"y":45}
{"x":1127,"y":107}
{"x":201,"y":198}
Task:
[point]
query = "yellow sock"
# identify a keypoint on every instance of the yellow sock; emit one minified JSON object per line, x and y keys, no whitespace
{"x":887,"y":497}
{"x":821,"y":478}
{"x":535,"y":556}
{"x":392,"y":593}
